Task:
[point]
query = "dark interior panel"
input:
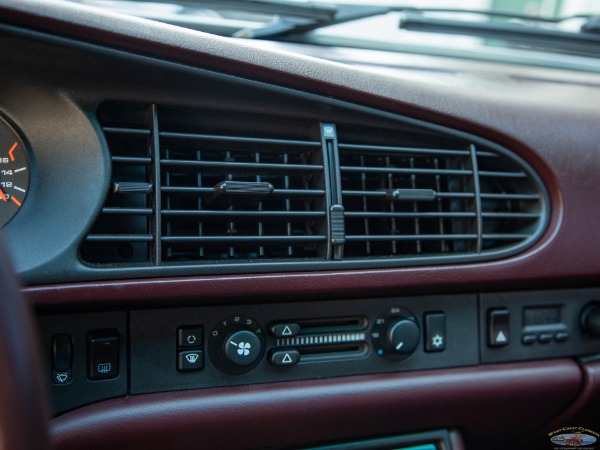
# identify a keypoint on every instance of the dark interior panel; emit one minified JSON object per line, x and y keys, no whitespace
{"x":215,"y":346}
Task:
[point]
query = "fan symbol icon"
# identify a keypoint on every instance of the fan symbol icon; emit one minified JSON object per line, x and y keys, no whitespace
{"x":243,"y":348}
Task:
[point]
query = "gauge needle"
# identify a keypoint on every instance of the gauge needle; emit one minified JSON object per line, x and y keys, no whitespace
{"x":12,"y":149}
{"x":2,"y":194}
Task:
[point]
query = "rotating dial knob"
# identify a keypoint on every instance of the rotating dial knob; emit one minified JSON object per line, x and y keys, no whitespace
{"x":396,"y":334}
{"x":236,"y":345}
{"x":242,"y":348}
{"x":403,"y":337}
{"x":590,"y":320}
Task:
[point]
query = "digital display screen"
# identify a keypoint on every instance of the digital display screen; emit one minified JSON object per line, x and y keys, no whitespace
{"x":543,"y":315}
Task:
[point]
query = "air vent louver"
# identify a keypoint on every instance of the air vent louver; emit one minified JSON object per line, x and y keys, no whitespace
{"x":217,"y":196}
{"x":209,"y":187}
{"x":200,"y":222}
{"x":436,"y":200}
{"x":379,"y":223}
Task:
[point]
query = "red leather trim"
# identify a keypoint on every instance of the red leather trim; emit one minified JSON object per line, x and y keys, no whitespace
{"x":482,"y":402}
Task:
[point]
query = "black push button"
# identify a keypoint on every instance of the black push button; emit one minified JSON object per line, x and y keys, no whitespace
{"x":435,"y":332}
{"x":529,"y":339}
{"x":190,"y":361}
{"x":561,"y":336}
{"x":192,"y":336}
{"x":498,"y":330}
{"x":62,"y":359}
{"x":103,"y":354}
{"x":62,"y":353}
{"x":545,"y":338}
{"x":284,"y":329}
{"x":284,"y":358}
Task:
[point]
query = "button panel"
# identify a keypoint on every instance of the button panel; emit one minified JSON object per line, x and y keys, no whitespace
{"x":543,"y":324}
{"x":169,"y":350}
{"x":190,"y":344}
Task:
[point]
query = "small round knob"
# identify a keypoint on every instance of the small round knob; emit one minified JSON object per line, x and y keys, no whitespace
{"x":242,"y":348}
{"x":590,"y":320}
{"x":236,"y":345}
{"x":395,"y":334}
{"x":403,"y":337}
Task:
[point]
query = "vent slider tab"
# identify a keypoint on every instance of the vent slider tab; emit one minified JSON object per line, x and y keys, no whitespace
{"x":243,"y":188}
{"x":411,"y":195}
{"x":130,"y":187}
{"x":227,"y":193}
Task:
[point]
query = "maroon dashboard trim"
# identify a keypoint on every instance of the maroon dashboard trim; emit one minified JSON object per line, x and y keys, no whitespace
{"x":523,"y":396}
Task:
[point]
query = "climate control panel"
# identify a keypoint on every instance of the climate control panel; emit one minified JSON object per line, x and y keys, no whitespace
{"x":171,"y":349}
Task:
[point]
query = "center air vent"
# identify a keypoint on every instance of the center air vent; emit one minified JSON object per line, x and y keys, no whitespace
{"x":227,"y":197}
{"x":228,"y":189}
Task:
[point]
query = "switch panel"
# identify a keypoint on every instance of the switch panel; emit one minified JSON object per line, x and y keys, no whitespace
{"x":190,"y":344}
{"x":521,"y":326}
{"x":276,"y":342}
{"x":209,"y":346}
{"x":56,"y":333}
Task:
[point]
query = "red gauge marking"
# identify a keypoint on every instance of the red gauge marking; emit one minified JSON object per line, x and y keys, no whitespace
{"x":16,"y":201}
{"x":12,"y":149}
{"x":2,"y":195}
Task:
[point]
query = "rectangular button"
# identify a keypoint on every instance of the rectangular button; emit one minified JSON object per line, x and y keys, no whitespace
{"x":191,"y":336}
{"x":103,"y":354}
{"x":498,"y":329}
{"x":435,"y":332}
{"x":190,"y":361}
{"x":62,"y":353}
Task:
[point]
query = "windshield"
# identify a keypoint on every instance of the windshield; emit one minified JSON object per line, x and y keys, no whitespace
{"x":556,"y":33}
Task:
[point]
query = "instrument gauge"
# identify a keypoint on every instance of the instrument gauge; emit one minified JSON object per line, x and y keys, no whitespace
{"x":14,"y":173}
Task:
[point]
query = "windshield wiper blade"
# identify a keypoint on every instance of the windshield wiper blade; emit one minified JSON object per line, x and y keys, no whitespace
{"x":283,"y":25}
{"x":586,"y":43}
{"x":315,"y":11}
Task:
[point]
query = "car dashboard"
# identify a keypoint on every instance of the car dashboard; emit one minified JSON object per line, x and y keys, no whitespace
{"x":388,"y":251}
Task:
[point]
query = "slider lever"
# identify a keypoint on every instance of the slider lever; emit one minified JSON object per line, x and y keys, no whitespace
{"x":410,"y":195}
{"x":228,"y":193}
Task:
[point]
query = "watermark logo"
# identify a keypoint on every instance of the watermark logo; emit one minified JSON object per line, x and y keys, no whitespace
{"x":574,"y":437}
